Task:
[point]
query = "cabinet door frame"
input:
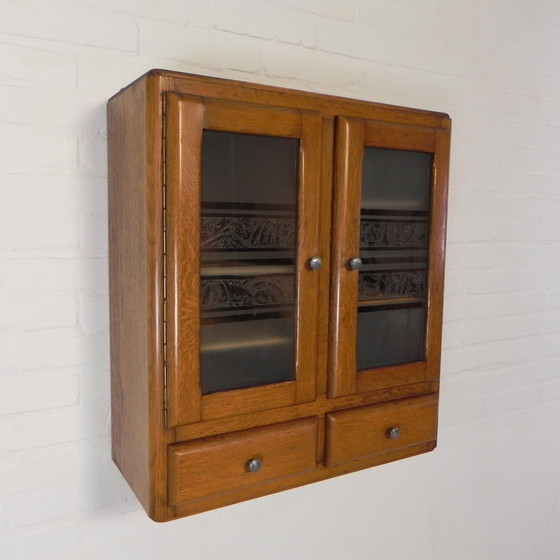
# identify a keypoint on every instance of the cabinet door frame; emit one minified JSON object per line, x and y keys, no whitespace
{"x":185,"y":120}
{"x":353,"y":135}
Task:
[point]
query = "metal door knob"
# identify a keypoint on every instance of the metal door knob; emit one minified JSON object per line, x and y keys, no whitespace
{"x":355,"y":263}
{"x":393,"y":433}
{"x":254,"y":465}
{"x":315,"y":263}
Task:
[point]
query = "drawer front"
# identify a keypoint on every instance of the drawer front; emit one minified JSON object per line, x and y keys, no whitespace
{"x":371,"y":430}
{"x":241,"y":459}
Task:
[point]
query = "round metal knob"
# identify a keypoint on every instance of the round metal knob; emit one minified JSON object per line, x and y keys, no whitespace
{"x":315,"y":263}
{"x":254,"y":465}
{"x":355,"y":263}
{"x":393,"y":433}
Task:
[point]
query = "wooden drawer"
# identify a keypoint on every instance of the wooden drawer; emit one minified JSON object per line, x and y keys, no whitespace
{"x":371,"y":430}
{"x":222,"y":463}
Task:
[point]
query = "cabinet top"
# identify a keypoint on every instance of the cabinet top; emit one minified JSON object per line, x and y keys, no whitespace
{"x":162,"y":81}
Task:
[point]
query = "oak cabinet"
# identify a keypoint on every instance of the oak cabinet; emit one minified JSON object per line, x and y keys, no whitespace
{"x":276,"y":285}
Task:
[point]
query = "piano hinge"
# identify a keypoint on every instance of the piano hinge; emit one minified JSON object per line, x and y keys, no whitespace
{"x":165,"y":408}
{"x":164,"y":257}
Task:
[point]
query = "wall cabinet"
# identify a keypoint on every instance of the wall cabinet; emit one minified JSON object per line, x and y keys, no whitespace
{"x":276,"y":284}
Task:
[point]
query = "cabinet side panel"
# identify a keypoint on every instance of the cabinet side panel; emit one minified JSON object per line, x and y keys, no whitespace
{"x":128,"y":287}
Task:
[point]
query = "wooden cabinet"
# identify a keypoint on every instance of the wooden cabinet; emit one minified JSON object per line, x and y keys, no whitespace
{"x":276,"y":285}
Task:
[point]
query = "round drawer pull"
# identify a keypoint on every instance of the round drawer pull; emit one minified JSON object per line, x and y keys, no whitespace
{"x":254,"y":465}
{"x":355,"y":263}
{"x":393,"y":433}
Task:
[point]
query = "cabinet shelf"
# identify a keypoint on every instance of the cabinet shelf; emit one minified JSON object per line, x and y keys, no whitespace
{"x":267,"y":343}
{"x":237,"y":315}
{"x":393,"y":210}
{"x":207,"y":206}
{"x":393,"y":302}
{"x":246,"y":271}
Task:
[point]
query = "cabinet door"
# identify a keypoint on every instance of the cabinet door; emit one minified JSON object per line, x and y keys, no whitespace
{"x":242,"y":192}
{"x":388,"y":255}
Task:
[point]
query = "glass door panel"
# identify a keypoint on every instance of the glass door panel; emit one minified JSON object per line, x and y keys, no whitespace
{"x":248,"y":260}
{"x":393,"y":240}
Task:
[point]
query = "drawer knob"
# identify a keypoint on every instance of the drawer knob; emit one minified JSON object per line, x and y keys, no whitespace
{"x":393,"y":433}
{"x":315,"y":263}
{"x":254,"y":465}
{"x":355,"y":263}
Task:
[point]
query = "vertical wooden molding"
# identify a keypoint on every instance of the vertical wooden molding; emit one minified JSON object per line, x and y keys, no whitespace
{"x":309,"y":245}
{"x":438,"y":220}
{"x":183,"y":152}
{"x":349,"y":146}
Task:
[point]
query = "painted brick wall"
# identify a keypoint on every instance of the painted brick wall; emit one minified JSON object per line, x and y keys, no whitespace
{"x":492,"y":489}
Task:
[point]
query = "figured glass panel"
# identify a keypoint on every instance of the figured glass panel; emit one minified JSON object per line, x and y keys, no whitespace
{"x":394,"y":233}
{"x":248,"y":255}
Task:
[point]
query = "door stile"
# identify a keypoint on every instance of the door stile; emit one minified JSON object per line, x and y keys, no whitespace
{"x":184,"y":131}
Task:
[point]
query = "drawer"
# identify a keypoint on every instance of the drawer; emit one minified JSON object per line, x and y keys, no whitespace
{"x":371,"y":430}
{"x":241,"y":459}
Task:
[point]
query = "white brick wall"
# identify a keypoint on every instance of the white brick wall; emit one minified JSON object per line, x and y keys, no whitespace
{"x":491,"y":490}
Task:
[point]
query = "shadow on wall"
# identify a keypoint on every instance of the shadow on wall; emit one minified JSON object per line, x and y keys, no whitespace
{"x":103,"y":488}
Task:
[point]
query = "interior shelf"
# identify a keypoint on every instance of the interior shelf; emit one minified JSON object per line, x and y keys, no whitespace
{"x":403,"y":301}
{"x":237,"y":345}
{"x":246,"y":271}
